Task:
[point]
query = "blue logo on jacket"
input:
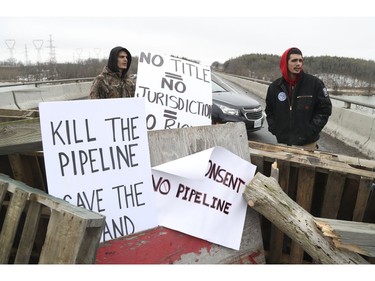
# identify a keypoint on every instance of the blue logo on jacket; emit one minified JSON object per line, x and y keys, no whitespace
{"x":281,"y":96}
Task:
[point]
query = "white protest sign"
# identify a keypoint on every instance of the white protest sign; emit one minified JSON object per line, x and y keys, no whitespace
{"x":178,"y":93}
{"x":97,"y":157}
{"x":201,"y":195}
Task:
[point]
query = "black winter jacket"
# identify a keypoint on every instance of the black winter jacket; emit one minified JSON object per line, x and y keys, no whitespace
{"x":297,"y":120}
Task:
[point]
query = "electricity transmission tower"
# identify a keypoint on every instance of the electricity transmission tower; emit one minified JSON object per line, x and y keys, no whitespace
{"x":26,"y":56}
{"x":97,"y":52}
{"x":38,"y":44}
{"x":79,"y":52}
{"x":52,"y":53}
{"x":10,"y":44}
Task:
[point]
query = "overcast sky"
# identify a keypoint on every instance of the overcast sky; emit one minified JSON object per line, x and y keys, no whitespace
{"x":196,"y":31}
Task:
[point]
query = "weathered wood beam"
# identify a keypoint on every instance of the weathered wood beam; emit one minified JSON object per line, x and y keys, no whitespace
{"x":20,"y":136}
{"x":265,"y":195}
{"x":319,"y":160}
{"x":357,"y":237}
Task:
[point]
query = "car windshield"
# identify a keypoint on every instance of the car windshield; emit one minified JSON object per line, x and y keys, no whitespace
{"x":216,"y":88}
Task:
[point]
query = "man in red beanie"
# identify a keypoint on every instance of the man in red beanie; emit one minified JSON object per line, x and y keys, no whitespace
{"x":297,"y":104}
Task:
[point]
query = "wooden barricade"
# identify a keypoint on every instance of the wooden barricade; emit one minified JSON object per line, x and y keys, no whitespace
{"x":326,"y":185}
{"x":39,"y":228}
{"x":166,"y":246}
{"x":20,"y":158}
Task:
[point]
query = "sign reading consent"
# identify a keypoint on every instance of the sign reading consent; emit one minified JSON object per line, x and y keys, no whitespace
{"x":178,"y":93}
{"x":97,"y":157}
{"x":201,"y":195}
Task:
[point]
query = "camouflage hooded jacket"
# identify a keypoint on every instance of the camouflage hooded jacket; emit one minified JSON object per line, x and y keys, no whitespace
{"x":110,"y":83}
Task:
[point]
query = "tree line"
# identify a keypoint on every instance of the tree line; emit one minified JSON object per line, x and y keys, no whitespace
{"x":336,"y":72}
{"x":18,"y":72}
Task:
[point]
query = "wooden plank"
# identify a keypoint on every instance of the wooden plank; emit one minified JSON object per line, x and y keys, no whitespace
{"x":51,"y":243}
{"x":314,"y":159}
{"x":19,"y":113}
{"x":357,"y":237}
{"x":26,"y":168}
{"x":277,"y":236}
{"x":89,"y":246}
{"x":259,"y":162}
{"x":355,"y":162}
{"x":168,"y":145}
{"x":332,"y":195}
{"x":29,"y":231}
{"x":64,"y":237}
{"x":73,"y":235}
{"x":265,"y":195}
{"x":20,"y":136}
{"x":369,"y":215}
{"x":306,"y":180}
{"x":95,"y":219}
{"x":10,"y":225}
{"x":3,"y":192}
{"x":348,"y":199}
{"x":363,"y":195}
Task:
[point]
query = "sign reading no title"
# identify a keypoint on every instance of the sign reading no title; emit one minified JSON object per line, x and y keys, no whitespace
{"x":177,"y":92}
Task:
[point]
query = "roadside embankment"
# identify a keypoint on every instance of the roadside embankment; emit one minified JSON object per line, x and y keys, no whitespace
{"x":352,"y":127}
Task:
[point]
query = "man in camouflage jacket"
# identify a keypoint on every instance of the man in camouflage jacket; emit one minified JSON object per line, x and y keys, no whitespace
{"x":113,"y":81}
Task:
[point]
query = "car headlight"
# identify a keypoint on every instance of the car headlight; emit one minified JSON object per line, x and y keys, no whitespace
{"x":228,"y":110}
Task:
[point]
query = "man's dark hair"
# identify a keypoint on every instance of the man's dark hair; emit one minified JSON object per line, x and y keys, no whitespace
{"x":294,"y":51}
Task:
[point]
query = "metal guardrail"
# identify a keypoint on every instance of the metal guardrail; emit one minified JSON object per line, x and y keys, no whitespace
{"x":36,"y":83}
{"x":347,"y":102}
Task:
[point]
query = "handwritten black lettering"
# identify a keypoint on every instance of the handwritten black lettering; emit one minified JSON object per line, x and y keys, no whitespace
{"x":128,"y":196}
{"x":220,"y":175}
{"x":156,"y":60}
{"x":191,"y":195}
{"x":67,"y":133}
{"x":126,"y":127}
{"x":116,"y":228}
{"x":97,"y":159}
{"x":88,"y":201}
{"x":173,"y":102}
{"x":191,"y":69}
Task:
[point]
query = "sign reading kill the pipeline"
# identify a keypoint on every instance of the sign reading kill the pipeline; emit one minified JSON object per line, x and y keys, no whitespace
{"x":97,"y":157}
{"x":177,"y":92}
